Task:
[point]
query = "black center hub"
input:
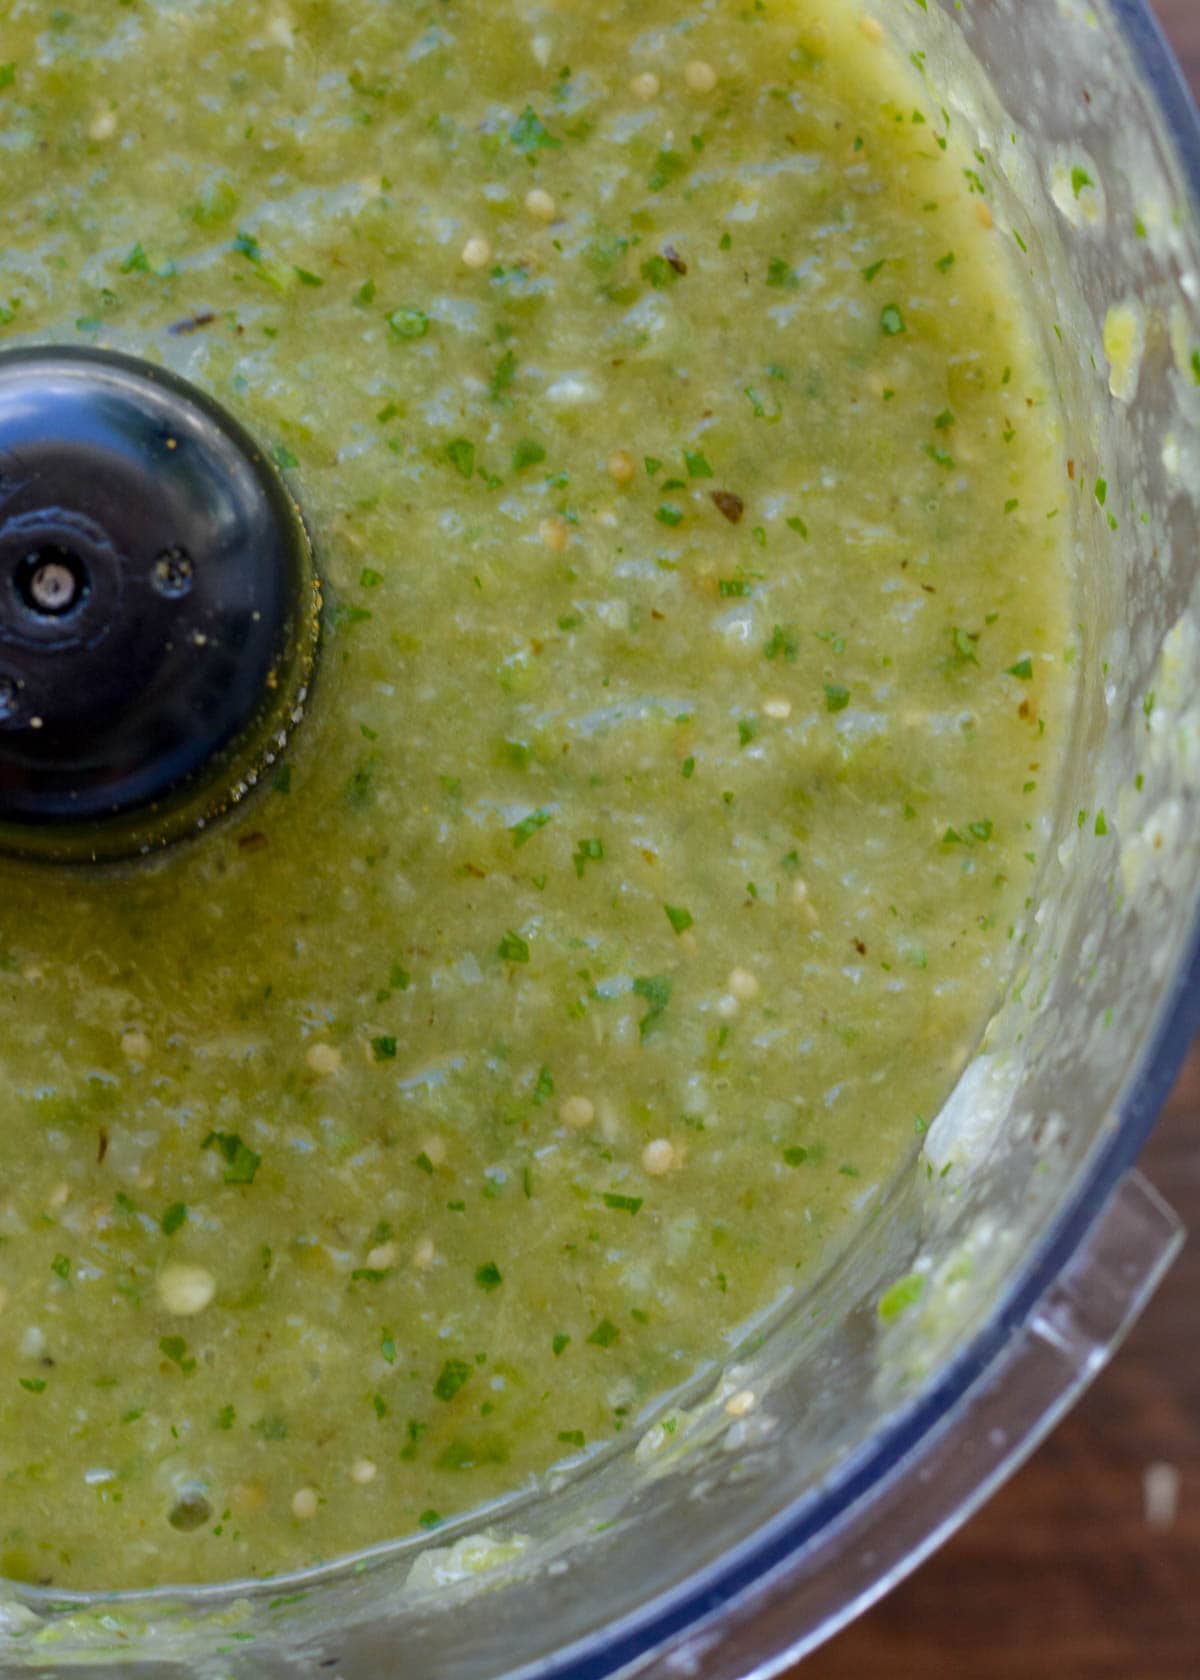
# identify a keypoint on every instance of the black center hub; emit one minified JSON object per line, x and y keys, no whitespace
{"x":159,"y":609}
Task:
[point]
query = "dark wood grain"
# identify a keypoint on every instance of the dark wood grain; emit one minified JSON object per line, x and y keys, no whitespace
{"x":1061,"y":1577}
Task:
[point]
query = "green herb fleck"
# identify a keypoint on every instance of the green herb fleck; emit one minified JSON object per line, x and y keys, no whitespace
{"x":241,"y":1163}
{"x":656,"y":990}
{"x":175,"y":1349}
{"x":623,"y":1204}
{"x":408,"y":323}
{"x":587,"y":851}
{"x":528,"y":827}
{"x":174,"y":1217}
{"x":488,"y":1276}
{"x":784,"y":643}
{"x":453,"y":1375}
{"x":460,"y":452}
{"x":529,"y":134}
{"x":512,"y":948}
{"x":904,"y":1293}
{"x":680,"y":919}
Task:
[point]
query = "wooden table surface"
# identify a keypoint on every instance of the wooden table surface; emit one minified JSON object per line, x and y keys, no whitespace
{"x":1061,"y":1576}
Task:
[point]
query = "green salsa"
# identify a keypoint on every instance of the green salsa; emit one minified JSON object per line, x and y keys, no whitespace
{"x":684,"y":476}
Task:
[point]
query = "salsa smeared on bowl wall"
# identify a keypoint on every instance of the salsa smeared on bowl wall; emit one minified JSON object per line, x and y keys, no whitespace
{"x":685,"y":477}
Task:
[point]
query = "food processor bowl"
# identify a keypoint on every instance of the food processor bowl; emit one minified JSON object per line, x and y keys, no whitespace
{"x":735,"y":1526}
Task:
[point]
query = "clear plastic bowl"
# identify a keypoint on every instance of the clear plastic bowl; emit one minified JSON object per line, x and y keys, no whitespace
{"x":739,"y":1542}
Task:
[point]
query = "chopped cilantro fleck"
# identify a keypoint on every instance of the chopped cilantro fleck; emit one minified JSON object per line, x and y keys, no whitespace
{"x":488,"y":1276}
{"x":622,"y":1204}
{"x":605,"y":1334}
{"x":383,"y":1048}
{"x":784,"y":643}
{"x":528,"y":827}
{"x":658,"y":272}
{"x":680,"y":919}
{"x":175,"y":1349}
{"x":656,"y":990}
{"x":904,"y":1293}
{"x":512,"y":948}
{"x":460,"y":452}
{"x":587,"y":851}
{"x":837,"y":698}
{"x":241,"y":1163}
{"x":173,"y":1218}
{"x":527,"y":453}
{"x":453,"y":1375}
{"x":529,"y":134}
{"x":408,"y":323}
{"x":891,"y":321}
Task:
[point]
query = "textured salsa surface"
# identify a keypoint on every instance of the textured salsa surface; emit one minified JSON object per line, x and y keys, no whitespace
{"x":684,"y":474}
